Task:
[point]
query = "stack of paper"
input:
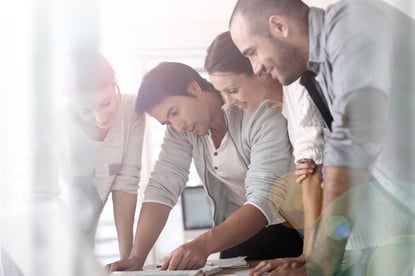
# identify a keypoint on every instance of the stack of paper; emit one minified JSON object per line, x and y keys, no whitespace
{"x":215,"y":266}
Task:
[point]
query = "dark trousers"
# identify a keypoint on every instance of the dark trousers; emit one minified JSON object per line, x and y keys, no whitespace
{"x":275,"y":241}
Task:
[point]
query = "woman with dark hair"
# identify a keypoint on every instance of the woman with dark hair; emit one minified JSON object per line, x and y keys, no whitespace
{"x":231,"y":73}
{"x":240,"y":158}
{"x":100,"y":145}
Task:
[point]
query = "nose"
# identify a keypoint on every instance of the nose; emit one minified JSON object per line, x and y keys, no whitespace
{"x":228,"y":99}
{"x":178,"y":124}
{"x":100,"y":116}
{"x":258,"y":68}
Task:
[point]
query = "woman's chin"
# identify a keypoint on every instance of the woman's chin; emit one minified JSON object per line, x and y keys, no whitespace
{"x":104,"y":126}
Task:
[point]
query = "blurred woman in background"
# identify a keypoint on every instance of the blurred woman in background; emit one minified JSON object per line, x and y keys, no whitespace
{"x":100,"y":146}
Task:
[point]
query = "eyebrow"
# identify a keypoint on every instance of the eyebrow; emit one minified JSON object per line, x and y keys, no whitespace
{"x":247,"y":51}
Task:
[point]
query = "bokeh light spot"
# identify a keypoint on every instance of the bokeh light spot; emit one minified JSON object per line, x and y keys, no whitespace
{"x":338,"y":227}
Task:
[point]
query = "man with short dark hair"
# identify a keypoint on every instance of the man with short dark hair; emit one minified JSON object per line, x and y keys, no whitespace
{"x":241,"y":159}
{"x":361,"y":52}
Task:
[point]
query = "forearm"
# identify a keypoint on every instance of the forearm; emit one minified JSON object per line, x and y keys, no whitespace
{"x":153,"y":217}
{"x":239,"y":227}
{"x":312,"y":201}
{"x":342,"y":192}
{"x":339,"y":180}
{"x":124,"y":205}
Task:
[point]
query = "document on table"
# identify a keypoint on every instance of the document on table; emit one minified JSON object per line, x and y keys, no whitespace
{"x":214,"y":266}
{"x":211,"y":267}
{"x":229,"y":263}
{"x":158,"y":273}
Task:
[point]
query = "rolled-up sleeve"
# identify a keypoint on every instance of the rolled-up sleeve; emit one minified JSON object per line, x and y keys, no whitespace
{"x":171,"y":171}
{"x":270,"y":160}
{"x":306,"y":123}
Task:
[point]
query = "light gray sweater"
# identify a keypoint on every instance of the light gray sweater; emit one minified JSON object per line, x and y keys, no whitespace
{"x":262,"y":141}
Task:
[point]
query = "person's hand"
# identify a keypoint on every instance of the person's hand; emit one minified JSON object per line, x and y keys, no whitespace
{"x":304,"y":167}
{"x":187,"y":256}
{"x":280,"y":265}
{"x":130,"y":264}
{"x":293,"y":268}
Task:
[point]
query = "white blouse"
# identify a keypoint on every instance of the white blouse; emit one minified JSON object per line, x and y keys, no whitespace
{"x":305,"y":124}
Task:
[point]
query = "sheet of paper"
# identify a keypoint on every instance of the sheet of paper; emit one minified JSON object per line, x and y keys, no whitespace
{"x":158,"y":273}
{"x":229,"y":263}
{"x":212,"y":267}
{"x":209,"y":269}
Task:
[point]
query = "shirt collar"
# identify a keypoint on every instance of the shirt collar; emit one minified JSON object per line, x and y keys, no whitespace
{"x":315,"y":22}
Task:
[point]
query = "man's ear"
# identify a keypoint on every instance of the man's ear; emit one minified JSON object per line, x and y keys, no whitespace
{"x":278,"y":26}
{"x":193,"y":88}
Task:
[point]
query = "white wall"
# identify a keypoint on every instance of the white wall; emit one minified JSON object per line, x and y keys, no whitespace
{"x":161,"y":24}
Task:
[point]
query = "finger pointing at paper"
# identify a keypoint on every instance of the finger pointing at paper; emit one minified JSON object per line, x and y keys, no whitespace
{"x":187,"y":256}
